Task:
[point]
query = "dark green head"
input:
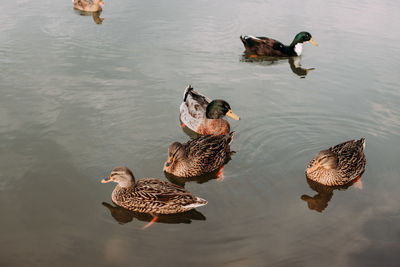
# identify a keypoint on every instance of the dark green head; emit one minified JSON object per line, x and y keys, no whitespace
{"x":303,"y":37}
{"x":218,"y":109}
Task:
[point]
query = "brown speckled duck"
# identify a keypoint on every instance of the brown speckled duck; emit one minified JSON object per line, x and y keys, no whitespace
{"x":150,"y":195}
{"x":199,"y":156}
{"x":264,"y":46}
{"x":88,"y":5}
{"x":339,"y":164}
{"x":204,"y":116}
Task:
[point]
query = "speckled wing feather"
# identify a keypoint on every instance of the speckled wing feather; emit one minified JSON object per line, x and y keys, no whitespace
{"x":351,"y":158}
{"x":209,"y":151}
{"x":163,"y":192}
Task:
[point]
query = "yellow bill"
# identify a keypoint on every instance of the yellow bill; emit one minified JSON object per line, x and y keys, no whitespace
{"x":313,"y":42}
{"x":232,"y":115}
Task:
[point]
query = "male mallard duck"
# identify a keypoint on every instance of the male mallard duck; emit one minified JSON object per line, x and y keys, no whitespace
{"x":88,"y":5}
{"x":204,"y":116}
{"x":198,"y":156}
{"x":150,"y":195}
{"x":264,"y":46}
{"x":338,"y":165}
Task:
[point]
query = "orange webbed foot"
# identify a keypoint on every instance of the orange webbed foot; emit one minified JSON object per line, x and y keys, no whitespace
{"x":220,"y":174}
{"x":151,"y":222}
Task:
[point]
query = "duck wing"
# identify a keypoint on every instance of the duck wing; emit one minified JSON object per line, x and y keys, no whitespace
{"x":195,"y":103}
{"x":351,"y":158}
{"x":263,"y":46}
{"x":165,"y":193}
{"x":209,"y":150}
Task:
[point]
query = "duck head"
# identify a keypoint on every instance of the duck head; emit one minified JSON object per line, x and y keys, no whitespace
{"x":219,"y":108}
{"x":298,"y":41}
{"x":176,"y":152}
{"x":121,"y":175}
{"x":303,"y":37}
{"x":325,"y":160}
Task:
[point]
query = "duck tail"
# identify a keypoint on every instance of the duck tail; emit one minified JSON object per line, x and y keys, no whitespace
{"x":243,"y":38}
{"x":199,"y":202}
{"x":362,"y":140}
{"x":188,"y":89}
{"x":230,"y":137}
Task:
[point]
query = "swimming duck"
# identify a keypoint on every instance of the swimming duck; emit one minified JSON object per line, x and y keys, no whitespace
{"x":204,"y":116}
{"x":339,"y":164}
{"x":88,"y":5}
{"x":264,"y":46}
{"x":150,"y":195}
{"x":198,"y":156}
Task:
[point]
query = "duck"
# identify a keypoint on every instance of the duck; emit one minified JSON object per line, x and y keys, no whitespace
{"x":88,"y":5}
{"x":338,"y":165}
{"x":150,"y":195}
{"x":264,"y":46}
{"x":203,"y":116}
{"x":198,"y":156}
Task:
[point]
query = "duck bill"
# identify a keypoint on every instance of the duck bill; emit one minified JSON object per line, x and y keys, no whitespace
{"x":106,"y":180}
{"x":101,"y":3}
{"x":313,"y":42}
{"x":232,"y":115}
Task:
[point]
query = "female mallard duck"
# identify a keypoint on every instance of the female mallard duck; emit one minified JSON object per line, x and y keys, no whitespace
{"x":204,"y":116}
{"x":150,"y":195}
{"x":198,"y":156}
{"x":338,"y":165}
{"x":264,"y":46}
{"x":88,"y":5}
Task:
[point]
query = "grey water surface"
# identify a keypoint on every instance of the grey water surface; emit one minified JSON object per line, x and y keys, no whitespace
{"x":80,"y":98}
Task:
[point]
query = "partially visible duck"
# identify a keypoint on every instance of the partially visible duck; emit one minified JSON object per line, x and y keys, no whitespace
{"x":88,"y":5}
{"x":264,"y":46}
{"x":204,"y":116}
{"x":150,"y":195}
{"x":198,"y":156}
{"x":339,"y":164}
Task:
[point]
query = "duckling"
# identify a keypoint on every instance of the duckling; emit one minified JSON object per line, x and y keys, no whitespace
{"x":150,"y":195}
{"x":88,"y":5}
{"x":199,"y":156}
{"x":264,"y":46}
{"x":204,"y":116}
{"x":339,"y":164}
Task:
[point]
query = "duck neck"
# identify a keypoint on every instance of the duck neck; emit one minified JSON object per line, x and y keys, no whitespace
{"x":296,"y":46}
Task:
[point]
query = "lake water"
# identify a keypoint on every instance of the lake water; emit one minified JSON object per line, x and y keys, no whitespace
{"x":80,"y":98}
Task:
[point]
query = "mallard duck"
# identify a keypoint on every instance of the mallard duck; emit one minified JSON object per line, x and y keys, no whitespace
{"x":204,"y":116}
{"x":198,"y":156}
{"x":264,"y":46}
{"x":339,"y":164}
{"x":150,"y":195}
{"x":88,"y":5}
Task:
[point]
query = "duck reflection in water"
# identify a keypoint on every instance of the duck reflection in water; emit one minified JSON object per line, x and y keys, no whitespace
{"x":319,"y":202}
{"x":294,"y":62}
{"x":95,"y":15}
{"x":123,"y":216}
